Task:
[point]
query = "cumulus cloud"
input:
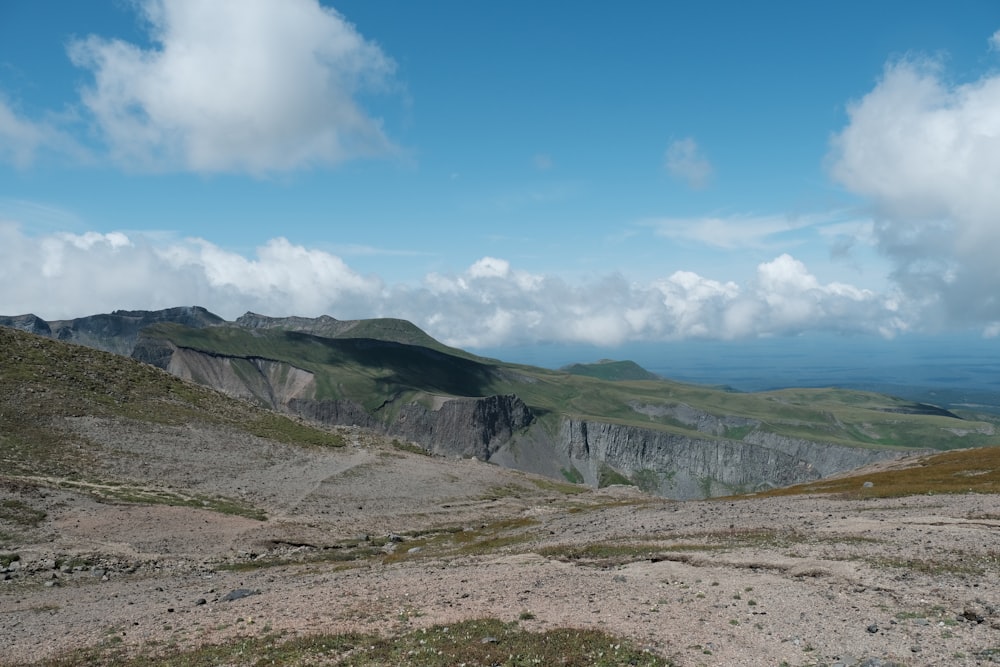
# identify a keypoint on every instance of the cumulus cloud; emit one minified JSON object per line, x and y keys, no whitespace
{"x":252,"y":86}
{"x":70,"y":275}
{"x":685,"y":161}
{"x":490,"y":303}
{"x":925,"y":152}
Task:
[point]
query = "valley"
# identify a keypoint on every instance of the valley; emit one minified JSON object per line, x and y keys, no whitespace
{"x":146,"y":519}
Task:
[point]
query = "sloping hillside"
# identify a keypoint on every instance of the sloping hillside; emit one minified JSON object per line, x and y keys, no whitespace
{"x":593,"y":425}
{"x":145,"y":520}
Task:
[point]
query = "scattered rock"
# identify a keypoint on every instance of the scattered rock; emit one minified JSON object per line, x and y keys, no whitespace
{"x":972,"y":615}
{"x":239,"y":594}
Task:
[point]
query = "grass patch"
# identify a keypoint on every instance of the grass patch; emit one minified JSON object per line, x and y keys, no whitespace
{"x":963,"y":565}
{"x":571,"y":489}
{"x":647,"y":480}
{"x":572,"y":475}
{"x":613,"y":554}
{"x":474,"y":643}
{"x":960,"y":471}
{"x":20,"y":513}
{"x":285,"y":429}
{"x":506,"y":491}
{"x":122,"y":493}
{"x":409,"y":447}
{"x":433,"y":542}
{"x":45,"y":381}
{"x":609,"y":476}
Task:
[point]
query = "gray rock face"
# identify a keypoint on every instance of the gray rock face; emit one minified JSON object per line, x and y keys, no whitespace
{"x":457,"y":427}
{"x":323,"y":325}
{"x":115,"y":332}
{"x":679,"y":466}
{"x":464,"y":426}
{"x":342,"y":412}
{"x":720,"y":454}
{"x":30,"y":323}
{"x":503,"y":430}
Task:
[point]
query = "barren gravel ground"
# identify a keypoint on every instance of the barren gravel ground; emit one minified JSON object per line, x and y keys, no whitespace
{"x":795,"y":581}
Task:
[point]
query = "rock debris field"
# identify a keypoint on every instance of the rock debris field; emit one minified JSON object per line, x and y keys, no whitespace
{"x":373,"y":537}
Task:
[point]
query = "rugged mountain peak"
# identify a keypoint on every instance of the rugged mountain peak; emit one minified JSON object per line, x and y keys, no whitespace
{"x":324,"y":325}
{"x":30,"y":323}
{"x":112,"y":332}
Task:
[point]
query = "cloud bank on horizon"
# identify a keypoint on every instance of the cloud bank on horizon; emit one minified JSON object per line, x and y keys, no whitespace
{"x":488,"y":304}
{"x":285,"y":90}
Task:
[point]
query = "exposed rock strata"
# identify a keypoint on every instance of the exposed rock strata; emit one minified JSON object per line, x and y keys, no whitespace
{"x":722,"y":454}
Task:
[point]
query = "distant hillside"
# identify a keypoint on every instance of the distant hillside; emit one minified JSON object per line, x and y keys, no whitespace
{"x":604,"y":423}
{"x":606,"y":369}
{"x":44,"y":382}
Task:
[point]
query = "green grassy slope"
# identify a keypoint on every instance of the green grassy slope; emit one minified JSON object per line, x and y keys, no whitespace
{"x":611,"y":370}
{"x":374,"y":371}
{"x":43,"y":381}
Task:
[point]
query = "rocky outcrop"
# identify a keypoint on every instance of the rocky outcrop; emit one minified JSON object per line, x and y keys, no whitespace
{"x":436,"y":399}
{"x":338,"y":412}
{"x":324,"y":325}
{"x":30,"y":323}
{"x":452,"y":426}
{"x":116,"y":332}
{"x":464,"y":426}
{"x":680,"y":466}
{"x":502,"y":429}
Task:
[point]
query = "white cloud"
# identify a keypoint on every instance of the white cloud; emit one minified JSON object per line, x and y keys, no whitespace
{"x":925,"y":152}
{"x":685,"y":161}
{"x":490,"y":303}
{"x":252,"y":86}
{"x":995,"y":41}
{"x":69,"y":275}
{"x":22,"y":140}
{"x":736,"y":231}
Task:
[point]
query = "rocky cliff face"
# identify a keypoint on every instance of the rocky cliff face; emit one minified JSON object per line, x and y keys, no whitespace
{"x":719,"y":455}
{"x":502,"y":429}
{"x":461,"y":426}
{"x":464,"y":426}
{"x":30,"y":323}
{"x":679,"y":466}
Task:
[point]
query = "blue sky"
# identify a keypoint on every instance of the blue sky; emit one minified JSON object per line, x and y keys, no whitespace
{"x":508,"y":173}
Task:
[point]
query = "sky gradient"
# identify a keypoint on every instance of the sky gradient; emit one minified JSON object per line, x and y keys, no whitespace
{"x":508,"y":173}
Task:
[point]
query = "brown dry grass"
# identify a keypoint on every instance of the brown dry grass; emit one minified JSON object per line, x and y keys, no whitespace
{"x":958,"y":471}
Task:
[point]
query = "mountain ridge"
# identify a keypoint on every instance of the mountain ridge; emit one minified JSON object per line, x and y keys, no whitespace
{"x":386,"y":374}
